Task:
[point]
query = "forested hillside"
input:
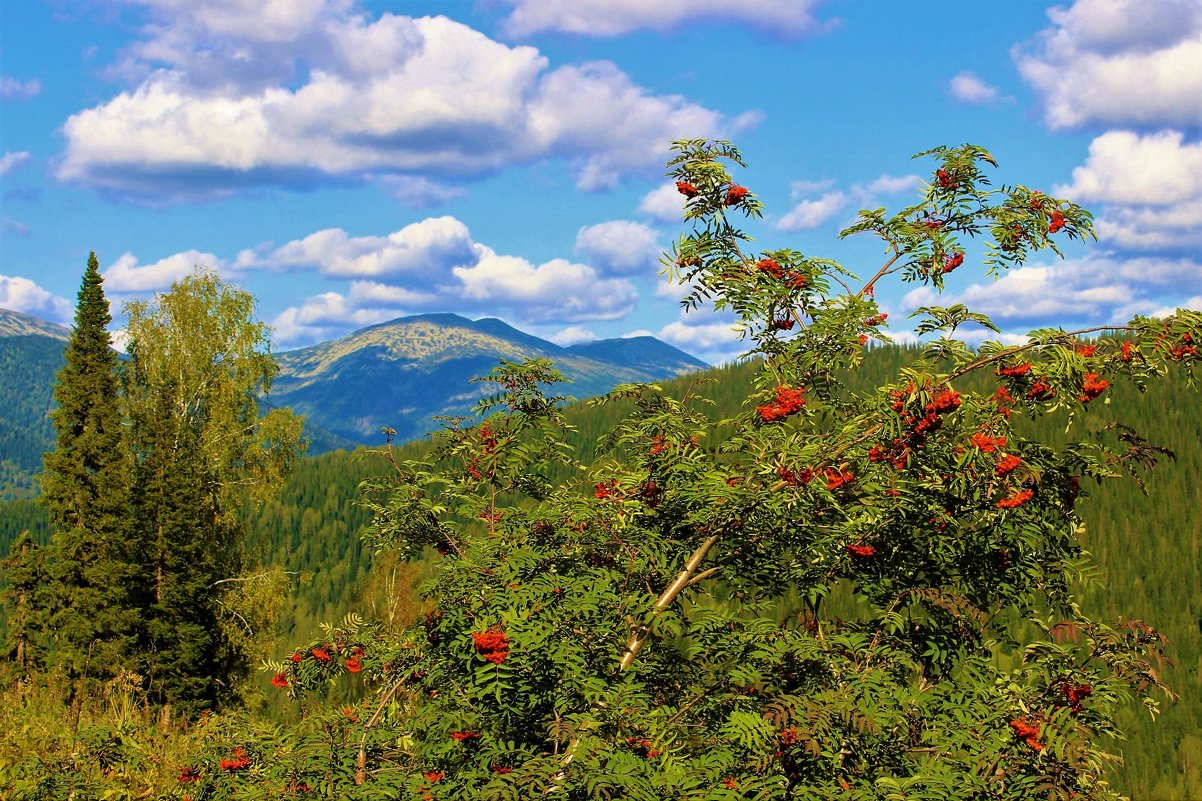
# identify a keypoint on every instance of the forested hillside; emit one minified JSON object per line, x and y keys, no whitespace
{"x":1145,"y":547}
{"x":27,"y":365}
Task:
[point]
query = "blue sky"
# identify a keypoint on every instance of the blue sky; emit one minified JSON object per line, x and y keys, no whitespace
{"x":351,"y":162}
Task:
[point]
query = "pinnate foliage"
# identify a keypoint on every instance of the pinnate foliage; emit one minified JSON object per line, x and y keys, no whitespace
{"x":835,"y":593}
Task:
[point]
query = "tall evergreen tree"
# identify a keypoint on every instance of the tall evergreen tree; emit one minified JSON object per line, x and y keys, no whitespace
{"x":85,"y":487}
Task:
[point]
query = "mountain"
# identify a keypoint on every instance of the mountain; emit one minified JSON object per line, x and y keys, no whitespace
{"x":403,"y":373}
{"x":31,"y":351}
{"x":15,"y":324}
{"x":398,"y":374}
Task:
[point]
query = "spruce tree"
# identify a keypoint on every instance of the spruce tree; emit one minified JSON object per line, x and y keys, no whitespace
{"x":188,"y":660}
{"x":93,"y":612}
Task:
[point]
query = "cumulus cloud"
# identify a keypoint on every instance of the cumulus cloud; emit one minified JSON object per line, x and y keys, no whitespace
{"x":1194,"y":303}
{"x":814,"y":212}
{"x":618,"y":17}
{"x":1118,"y":62}
{"x":433,"y":266}
{"x":1094,"y":290}
{"x":714,"y":342}
{"x":885,"y":185}
{"x":1126,"y":167}
{"x":572,"y":335}
{"x":710,"y":335}
{"x":325,"y":316}
{"x":1151,"y":185}
{"x":966,"y":87}
{"x":12,"y":159}
{"x":297,"y":93}
{"x":620,"y":247}
{"x":13,"y":89}
{"x":553,"y":291}
{"x":23,"y":295}
{"x":126,"y":275}
{"x":810,"y":214}
{"x":430,"y":247}
{"x":664,"y":204}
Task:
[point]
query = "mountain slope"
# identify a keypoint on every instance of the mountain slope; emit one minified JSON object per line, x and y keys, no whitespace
{"x":31,"y":351}
{"x":404,"y":373}
{"x":15,"y":323}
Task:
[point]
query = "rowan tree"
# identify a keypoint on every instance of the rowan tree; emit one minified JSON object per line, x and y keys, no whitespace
{"x":834,"y":594}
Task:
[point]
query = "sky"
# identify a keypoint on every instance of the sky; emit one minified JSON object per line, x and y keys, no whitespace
{"x":354,"y":161}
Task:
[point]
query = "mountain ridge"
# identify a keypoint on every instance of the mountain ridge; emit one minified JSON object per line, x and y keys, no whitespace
{"x":400,"y":374}
{"x":15,"y":323}
{"x":426,"y":363}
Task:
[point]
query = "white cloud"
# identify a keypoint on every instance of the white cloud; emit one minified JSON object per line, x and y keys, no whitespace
{"x":810,"y":214}
{"x":366,"y":294}
{"x":710,"y":335}
{"x":620,"y":247}
{"x":126,"y":275}
{"x":557,"y":290}
{"x":1194,"y":303}
{"x":223,"y":103}
{"x":426,"y":250}
{"x":13,"y":89}
{"x":664,"y":204}
{"x":595,"y":115}
{"x":21,"y":294}
{"x":1118,"y":62}
{"x":715,"y":343}
{"x":572,"y":335}
{"x":886,"y":185}
{"x":12,"y":159}
{"x":617,"y":17}
{"x":322,"y":317}
{"x":966,"y":87}
{"x":433,"y":266}
{"x":1151,"y":185}
{"x":1126,"y":167}
{"x":1095,"y":290}
{"x":814,"y":212}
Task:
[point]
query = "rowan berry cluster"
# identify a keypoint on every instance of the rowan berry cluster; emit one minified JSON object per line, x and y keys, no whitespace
{"x":788,"y":401}
{"x":1016,"y":500}
{"x":736,"y":194}
{"x":1056,"y":222}
{"x":773,"y":268}
{"x":1074,"y":694}
{"x":239,"y":761}
{"x":1092,"y":386}
{"x":899,"y":450}
{"x":493,"y":645}
{"x":643,"y":747}
{"x":1028,"y":731}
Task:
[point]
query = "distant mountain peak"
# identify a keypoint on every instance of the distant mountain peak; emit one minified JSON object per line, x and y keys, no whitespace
{"x":16,"y":324}
{"x":406,"y":372}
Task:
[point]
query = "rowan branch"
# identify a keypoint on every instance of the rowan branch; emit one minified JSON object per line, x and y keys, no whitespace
{"x":665,"y":600}
{"x":997,"y":357}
